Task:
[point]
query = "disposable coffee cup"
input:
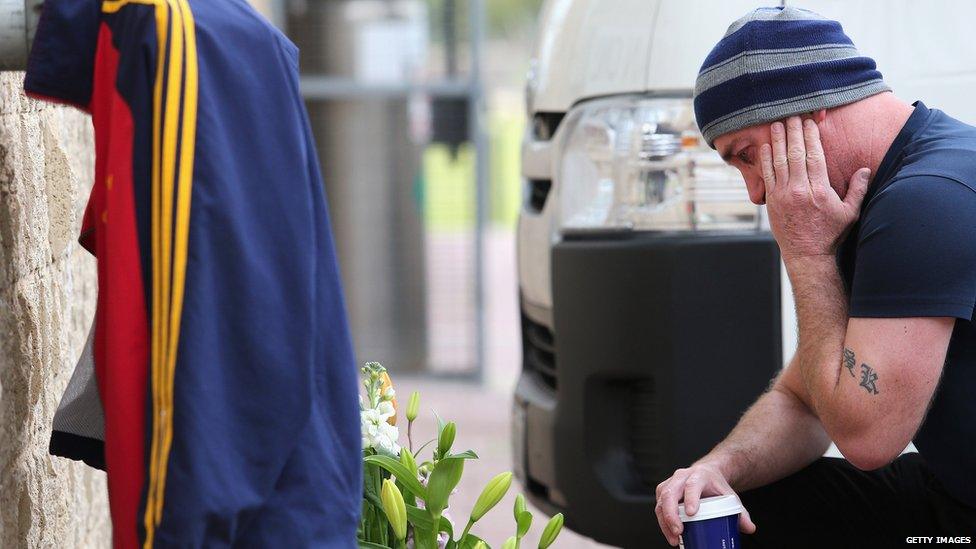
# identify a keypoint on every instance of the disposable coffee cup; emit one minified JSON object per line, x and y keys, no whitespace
{"x":714,"y":526}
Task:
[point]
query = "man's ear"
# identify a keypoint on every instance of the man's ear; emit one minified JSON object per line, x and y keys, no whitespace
{"x":816,"y":116}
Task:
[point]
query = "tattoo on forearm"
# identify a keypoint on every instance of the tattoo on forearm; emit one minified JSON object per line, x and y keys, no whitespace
{"x":849,"y":361}
{"x":869,"y":376}
{"x":869,"y":379}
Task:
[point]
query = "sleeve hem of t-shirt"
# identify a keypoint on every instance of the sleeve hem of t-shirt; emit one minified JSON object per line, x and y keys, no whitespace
{"x":33,"y":90}
{"x":866,"y":308}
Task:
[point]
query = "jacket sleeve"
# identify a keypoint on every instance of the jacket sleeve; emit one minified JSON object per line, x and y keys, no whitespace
{"x":62,"y":58}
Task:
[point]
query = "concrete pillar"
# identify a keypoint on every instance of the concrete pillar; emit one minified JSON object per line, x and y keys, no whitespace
{"x":47,"y":299}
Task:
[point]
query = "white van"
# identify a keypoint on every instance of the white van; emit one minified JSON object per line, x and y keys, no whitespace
{"x":654,"y":307}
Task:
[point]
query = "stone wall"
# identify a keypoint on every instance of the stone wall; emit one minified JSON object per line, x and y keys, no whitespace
{"x":47,"y":299}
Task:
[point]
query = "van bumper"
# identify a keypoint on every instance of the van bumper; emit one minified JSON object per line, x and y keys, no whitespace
{"x":657,"y":346}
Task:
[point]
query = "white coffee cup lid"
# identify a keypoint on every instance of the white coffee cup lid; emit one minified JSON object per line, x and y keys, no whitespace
{"x":713,"y":507}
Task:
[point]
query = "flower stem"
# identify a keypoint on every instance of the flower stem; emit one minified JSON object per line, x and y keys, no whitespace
{"x":465,"y":533}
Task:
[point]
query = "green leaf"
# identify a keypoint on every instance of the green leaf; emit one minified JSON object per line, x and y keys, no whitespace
{"x":523,"y":522}
{"x":377,"y":526}
{"x":424,"y":445}
{"x":370,"y":545}
{"x":467,"y":454}
{"x":403,"y":475}
{"x":440,"y":423}
{"x":424,"y":539}
{"x":370,"y":472}
{"x":420,"y":518}
{"x":471,"y":542}
{"x":373,"y":499}
{"x":445,"y":526}
{"x":445,"y":476}
{"x":406,"y":459}
{"x":510,"y":543}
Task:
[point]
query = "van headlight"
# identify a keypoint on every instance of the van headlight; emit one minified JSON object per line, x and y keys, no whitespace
{"x":638,"y":163}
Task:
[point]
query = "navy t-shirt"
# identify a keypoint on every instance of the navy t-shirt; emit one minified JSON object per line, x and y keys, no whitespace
{"x":913,"y":254}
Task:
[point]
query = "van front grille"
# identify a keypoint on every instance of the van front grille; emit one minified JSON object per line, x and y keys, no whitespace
{"x":538,"y":192}
{"x":645,"y":432}
{"x":539,"y":351}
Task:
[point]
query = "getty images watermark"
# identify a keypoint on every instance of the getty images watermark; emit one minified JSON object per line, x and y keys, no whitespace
{"x":939,"y":539}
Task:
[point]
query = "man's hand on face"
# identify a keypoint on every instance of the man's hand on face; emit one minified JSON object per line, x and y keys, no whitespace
{"x":806,"y":215}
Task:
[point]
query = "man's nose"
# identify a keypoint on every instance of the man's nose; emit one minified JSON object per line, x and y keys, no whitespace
{"x":756,"y":189}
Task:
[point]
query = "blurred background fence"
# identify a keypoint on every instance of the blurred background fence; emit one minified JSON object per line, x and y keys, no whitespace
{"x":417,"y":109}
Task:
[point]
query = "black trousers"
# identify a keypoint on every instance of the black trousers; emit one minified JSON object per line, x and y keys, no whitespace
{"x":832,"y":504}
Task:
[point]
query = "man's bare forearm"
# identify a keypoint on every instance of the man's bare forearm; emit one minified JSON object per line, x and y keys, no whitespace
{"x":776,"y":437}
{"x":821,"y":311}
{"x":781,"y":433}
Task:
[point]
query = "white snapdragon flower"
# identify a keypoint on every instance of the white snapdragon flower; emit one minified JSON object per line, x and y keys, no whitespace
{"x":386,"y":410}
{"x":386,"y":440}
{"x":377,"y":433}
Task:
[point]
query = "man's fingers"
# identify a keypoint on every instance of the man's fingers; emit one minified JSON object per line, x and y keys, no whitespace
{"x":816,"y":163}
{"x":659,"y":512}
{"x":693,"y":490}
{"x":857,"y":188}
{"x":745,"y":522}
{"x":768,"y":174}
{"x":667,"y":508}
{"x":780,"y":165}
{"x":663,"y":525}
{"x":796,"y":152}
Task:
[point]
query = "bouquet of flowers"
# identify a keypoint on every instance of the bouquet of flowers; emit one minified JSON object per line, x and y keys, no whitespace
{"x":405,"y":502}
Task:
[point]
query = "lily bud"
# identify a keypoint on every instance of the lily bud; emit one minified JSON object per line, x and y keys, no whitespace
{"x":551,"y":531}
{"x":519,"y":505}
{"x":446,"y":439}
{"x":509,"y":543}
{"x":413,"y":406}
{"x":523,"y":518}
{"x":494,"y":491}
{"x":408,"y":461}
{"x":395,"y":508}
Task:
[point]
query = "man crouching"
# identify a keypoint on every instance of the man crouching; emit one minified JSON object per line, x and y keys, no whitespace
{"x":873,"y":204}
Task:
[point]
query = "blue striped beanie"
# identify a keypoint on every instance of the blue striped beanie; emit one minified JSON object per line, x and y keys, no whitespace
{"x":778,"y":62}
